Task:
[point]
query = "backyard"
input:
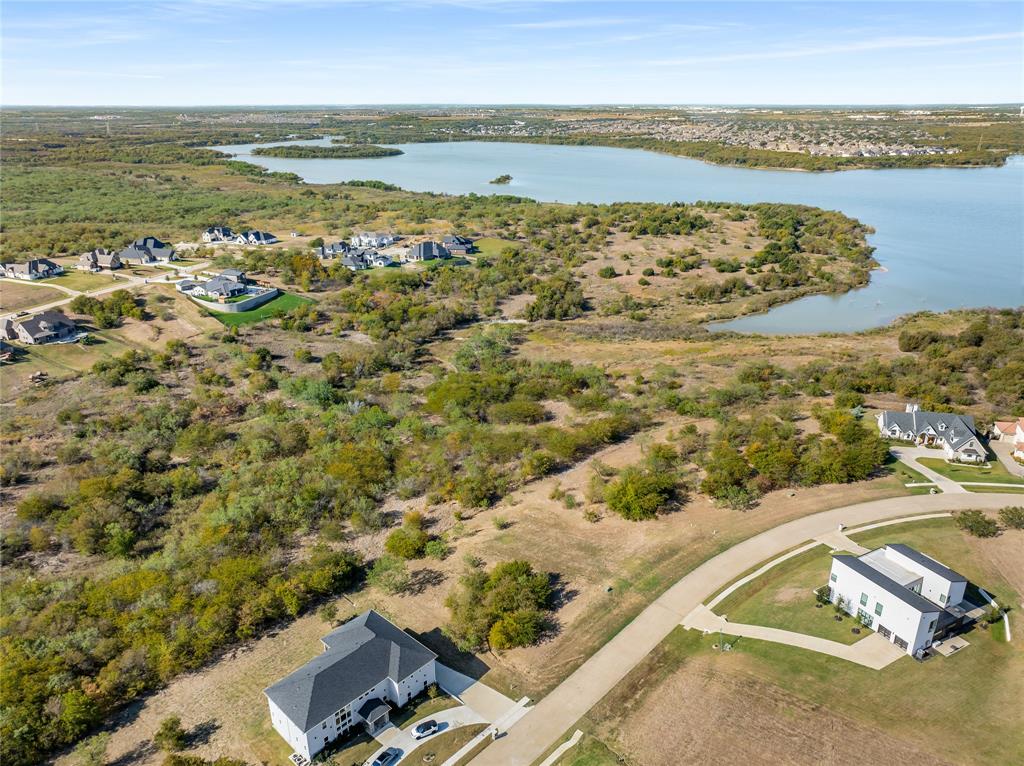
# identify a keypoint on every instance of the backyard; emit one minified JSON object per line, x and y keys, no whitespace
{"x":783,"y":597}
{"x":992,"y":472}
{"x":282,"y":304}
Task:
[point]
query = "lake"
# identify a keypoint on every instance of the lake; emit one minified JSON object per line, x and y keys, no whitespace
{"x":947,"y":238}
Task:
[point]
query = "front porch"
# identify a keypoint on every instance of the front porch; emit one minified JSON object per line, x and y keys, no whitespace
{"x":376,"y":715}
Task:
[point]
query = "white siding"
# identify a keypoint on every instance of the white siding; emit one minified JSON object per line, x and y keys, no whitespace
{"x":934,"y":587}
{"x":900,"y":618}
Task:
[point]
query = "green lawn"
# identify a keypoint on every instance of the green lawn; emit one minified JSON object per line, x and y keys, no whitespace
{"x":905,"y":473}
{"x":444,"y":745}
{"x":994,"y":489}
{"x":994,"y":473}
{"x":422,"y":707}
{"x":940,"y":539}
{"x":282,"y":304}
{"x":83,"y":281}
{"x":783,"y":598}
{"x":492,"y":246}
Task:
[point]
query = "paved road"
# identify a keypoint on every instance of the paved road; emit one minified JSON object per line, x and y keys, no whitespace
{"x":548,"y":721}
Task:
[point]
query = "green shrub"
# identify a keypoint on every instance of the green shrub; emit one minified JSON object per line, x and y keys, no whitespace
{"x":637,"y":494}
{"x":607,"y":272}
{"x":976,"y":523}
{"x":407,"y":543}
{"x":1012,"y":517}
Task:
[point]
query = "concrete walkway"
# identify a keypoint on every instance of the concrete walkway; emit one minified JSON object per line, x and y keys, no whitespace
{"x":838,"y":541}
{"x":548,"y":721}
{"x":909,"y":456}
{"x":872,"y":651}
{"x":562,"y":749}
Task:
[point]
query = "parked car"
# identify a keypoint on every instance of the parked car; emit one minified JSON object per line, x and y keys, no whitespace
{"x":424,"y":729}
{"x":388,"y":757}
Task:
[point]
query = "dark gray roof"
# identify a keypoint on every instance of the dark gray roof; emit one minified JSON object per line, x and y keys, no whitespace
{"x":907,"y":596}
{"x":428,"y":250}
{"x":927,"y":562}
{"x":373,"y":708}
{"x":232,"y":273}
{"x":359,"y":655}
{"x":954,"y":429}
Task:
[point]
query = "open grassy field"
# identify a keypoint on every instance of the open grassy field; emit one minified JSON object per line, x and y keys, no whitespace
{"x":687,"y":702}
{"x":84,"y":281}
{"x":58,"y":361}
{"x":994,"y":472}
{"x":17,"y":296}
{"x":492,"y":246}
{"x":281,"y":304}
{"x":940,"y":539}
{"x":783,"y":597}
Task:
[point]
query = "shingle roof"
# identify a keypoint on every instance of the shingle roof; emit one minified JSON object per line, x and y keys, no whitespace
{"x":907,"y":596}
{"x":927,"y":562}
{"x":360,"y":654}
{"x":955,"y":430}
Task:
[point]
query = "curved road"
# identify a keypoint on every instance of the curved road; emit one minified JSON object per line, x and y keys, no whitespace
{"x":551,"y":718}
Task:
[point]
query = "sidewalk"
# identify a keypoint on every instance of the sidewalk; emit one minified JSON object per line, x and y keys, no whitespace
{"x":872,"y":651}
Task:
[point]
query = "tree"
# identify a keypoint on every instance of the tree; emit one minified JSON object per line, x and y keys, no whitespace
{"x":407,"y":542}
{"x":559,"y":297}
{"x":390,"y":574}
{"x":1012,"y":517}
{"x":92,"y":751}
{"x":170,"y":737}
{"x":637,"y":495}
{"x":976,"y":523}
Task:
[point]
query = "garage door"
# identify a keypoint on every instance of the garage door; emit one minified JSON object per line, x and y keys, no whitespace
{"x":900,"y":643}
{"x":885,"y":631}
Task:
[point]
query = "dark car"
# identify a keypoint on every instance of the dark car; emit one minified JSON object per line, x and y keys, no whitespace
{"x":388,"y":757}
{"x":424,"y":729}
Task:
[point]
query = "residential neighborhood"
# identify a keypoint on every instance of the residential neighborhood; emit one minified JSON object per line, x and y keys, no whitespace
{"x":37,"y":268}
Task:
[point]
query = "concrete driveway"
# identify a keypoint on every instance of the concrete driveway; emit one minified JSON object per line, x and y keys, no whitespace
{"x":545,"y":723}
{"x":1004,"y":451}
{"x":909,"y":456}
{"x":402,"y":739}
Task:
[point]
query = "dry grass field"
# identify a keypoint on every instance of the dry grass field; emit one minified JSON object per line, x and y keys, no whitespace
{"x":18,"y":296}
{"x":766,"y":703}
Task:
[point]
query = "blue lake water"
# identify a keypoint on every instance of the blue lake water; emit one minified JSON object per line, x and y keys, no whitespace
{"x":947,"y":238}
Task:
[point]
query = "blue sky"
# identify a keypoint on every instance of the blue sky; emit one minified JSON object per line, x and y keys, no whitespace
{"x":213,"y":52}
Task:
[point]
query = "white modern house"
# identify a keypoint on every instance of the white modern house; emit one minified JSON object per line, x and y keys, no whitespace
{"x":373,"y":239}
{"x":905,"y":596}
{"x":368,"y":665}
{"x":955,"y":434}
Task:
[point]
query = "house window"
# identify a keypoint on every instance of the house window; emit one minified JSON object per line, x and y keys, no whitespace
{"x":942,"y":598}
{"x":931,"y":627}
{"x":863,"y":599}
{"x":865,"y":618}
{"x":833,"y":577}
{"x":878,"y":608}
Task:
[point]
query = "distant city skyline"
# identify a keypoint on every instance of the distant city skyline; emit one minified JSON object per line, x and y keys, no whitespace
{"x":347,"y":52}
